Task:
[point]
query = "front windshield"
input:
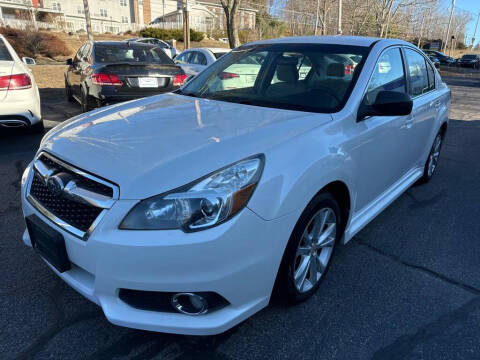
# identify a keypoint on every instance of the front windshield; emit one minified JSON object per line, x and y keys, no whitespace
{"x":306,"y":77}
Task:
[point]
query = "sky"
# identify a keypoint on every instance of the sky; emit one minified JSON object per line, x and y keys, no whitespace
{"x":473,"y":6}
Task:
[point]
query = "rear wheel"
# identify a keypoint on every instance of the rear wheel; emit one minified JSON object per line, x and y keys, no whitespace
{"x":432,"y":161}
{"x":87,"y":102}
{"x":310,"y":249}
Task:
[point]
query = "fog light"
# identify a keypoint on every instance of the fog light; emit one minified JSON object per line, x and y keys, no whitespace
{"x":190,"y":303}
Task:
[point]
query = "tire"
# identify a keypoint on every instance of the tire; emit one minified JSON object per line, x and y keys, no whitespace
{"x":68,"y":92}
{"x":87,"y":102}
{"x":432,"y":160}
{"x":289,"y":286}
{"x":37,"y":128}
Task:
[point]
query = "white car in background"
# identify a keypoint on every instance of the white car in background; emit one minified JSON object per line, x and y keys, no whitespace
{"x":195,"y":60}
{"x":170,"y":50}
{"x":19,"y":96}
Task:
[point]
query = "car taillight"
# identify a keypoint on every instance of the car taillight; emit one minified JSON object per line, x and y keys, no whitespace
{"x":228,"y":75}
{"x":106,"y":79}
{"x":15,"y":82}
{"x":179,"y":79}
{"x":349,"y":69}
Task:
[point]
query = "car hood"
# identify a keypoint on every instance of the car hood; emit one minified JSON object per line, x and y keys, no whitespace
{"x":155,"y":144}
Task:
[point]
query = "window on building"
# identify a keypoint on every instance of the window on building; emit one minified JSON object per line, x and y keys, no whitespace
{"x":103,"y":13}
{"x":81,"y":10}
{"x":56,"y":6}
{"x":123,"y":2}
{"x":125,"y":19}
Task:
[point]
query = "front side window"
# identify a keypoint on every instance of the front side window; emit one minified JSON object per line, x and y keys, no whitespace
{"x":305,"y":77}
{"x":417,"y":72}
{"x":388,"y":75}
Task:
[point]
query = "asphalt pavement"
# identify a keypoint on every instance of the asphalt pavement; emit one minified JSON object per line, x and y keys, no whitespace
{"x":406,"y":287}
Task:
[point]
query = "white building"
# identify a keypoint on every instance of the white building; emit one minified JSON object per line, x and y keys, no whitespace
{"x":106,"y":15}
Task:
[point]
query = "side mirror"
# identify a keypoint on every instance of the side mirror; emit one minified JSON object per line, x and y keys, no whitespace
{"x":29,"y":60}
{"x":387,"y":103}
{"x":69,"y":62}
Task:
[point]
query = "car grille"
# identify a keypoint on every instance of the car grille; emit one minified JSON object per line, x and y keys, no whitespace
{"x":74,"y":215}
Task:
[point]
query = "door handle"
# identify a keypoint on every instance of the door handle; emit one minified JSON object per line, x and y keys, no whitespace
{"x":435,"y":103}
{"x":409,"y":121}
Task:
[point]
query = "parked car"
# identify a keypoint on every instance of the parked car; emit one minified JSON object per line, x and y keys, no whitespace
{"x":169,"y":49}
{"x":434,"y":60}
{"x":195,"y":60}
{"x":444,"y":59}
{"x":182,"y":212}
{"x":470,"y":60}
{"x":19,"y":96}
{"x":106,"y":72}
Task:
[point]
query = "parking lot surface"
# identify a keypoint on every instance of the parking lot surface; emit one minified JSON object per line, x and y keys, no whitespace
{"x":406,"y":287}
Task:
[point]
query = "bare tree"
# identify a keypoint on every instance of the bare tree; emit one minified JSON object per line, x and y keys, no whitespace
{"x":230,"y":7}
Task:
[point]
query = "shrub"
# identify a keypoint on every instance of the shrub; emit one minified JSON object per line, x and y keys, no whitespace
{"x":32,"y":43}
{"x":168,"y":34}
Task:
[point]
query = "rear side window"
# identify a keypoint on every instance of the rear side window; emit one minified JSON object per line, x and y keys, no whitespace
{"x":417,"y":72}
{"x":431,"y":77}
{"x":198,"y":58}
{"x":4,"y":53}
{"x":130,"y":53}
{"x":387,"y":76}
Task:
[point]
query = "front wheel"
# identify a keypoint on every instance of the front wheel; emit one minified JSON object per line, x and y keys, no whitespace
{"x":310,"y":249}
{"x":432,"y":161}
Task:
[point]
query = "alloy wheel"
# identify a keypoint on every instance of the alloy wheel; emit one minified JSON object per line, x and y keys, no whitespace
{"x":434,"y":155}
{"x":315,"y":249}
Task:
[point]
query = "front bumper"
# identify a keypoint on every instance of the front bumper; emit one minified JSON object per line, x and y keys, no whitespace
{"x":238,"y":260}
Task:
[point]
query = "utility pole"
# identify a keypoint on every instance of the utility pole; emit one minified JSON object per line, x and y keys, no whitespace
{"x":421,"y":28}
{"x":163,"y":14}
{"x":339,"y":20}
{"x":447,"y":35}
{"x":87,"y":20}
{"x":475,"y":32}
{"x":316,"y":19}
{"x":186,"y":25}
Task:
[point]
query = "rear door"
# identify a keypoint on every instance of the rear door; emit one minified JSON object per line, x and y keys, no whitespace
{"x":6,"y":67}
{"x":421,"y":122}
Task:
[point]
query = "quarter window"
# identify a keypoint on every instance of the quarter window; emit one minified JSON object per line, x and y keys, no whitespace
{"x":387,"y":76}
{"x":417,"y":73}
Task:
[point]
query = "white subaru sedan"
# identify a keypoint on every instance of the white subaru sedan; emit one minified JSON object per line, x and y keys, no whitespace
{"x":184,"y":212}
{"x":19,"y":96}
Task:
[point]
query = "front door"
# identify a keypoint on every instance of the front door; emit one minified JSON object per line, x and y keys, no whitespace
{"x":380,"y":146}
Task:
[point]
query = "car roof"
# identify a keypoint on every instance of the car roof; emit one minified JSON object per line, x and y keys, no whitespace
{"x":212,"y":49}
{"x":123,"y":42}
{"x":332,"y":40}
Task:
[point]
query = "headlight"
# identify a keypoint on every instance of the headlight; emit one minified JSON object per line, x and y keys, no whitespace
{"x":207,"y":202}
